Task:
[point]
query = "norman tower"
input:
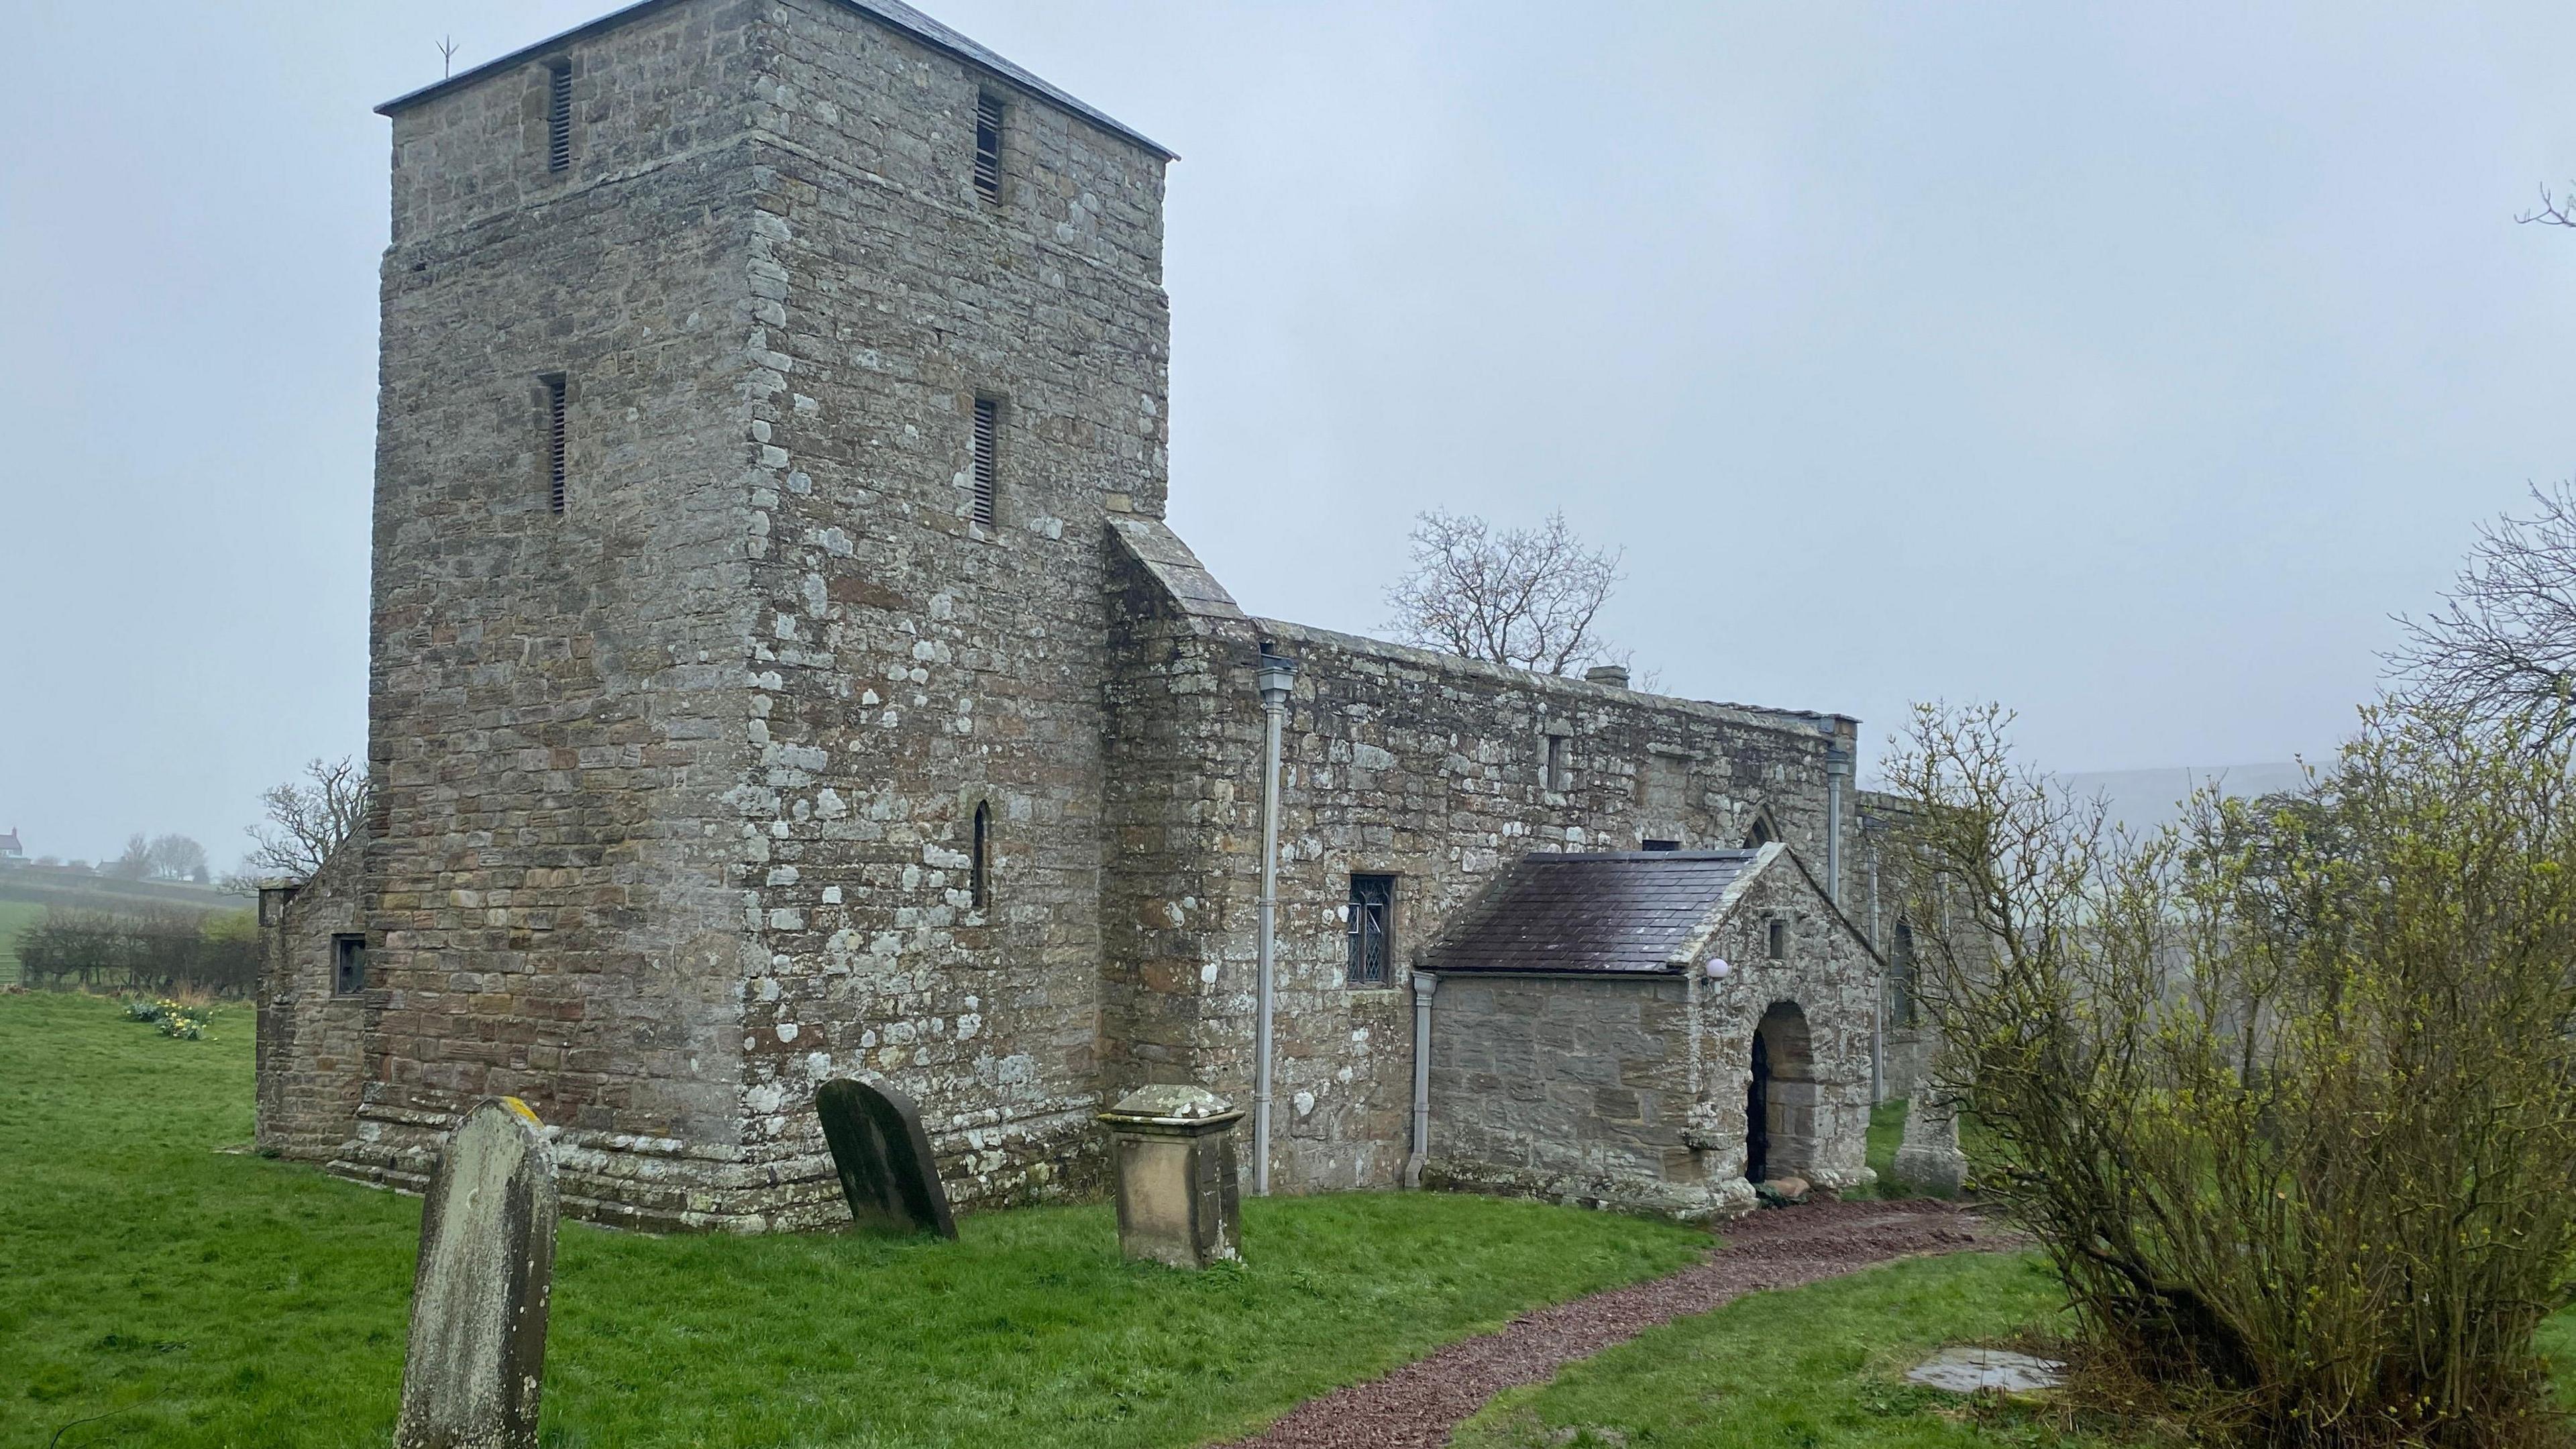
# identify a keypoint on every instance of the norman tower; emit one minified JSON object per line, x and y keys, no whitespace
{"x":756,"y":380}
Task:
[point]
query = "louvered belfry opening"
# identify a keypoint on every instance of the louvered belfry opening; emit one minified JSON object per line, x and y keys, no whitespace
{"x":988,"y":426}
{"x":556,"y":470}
{"x":558,"y":115}
{"x":988,"y":145}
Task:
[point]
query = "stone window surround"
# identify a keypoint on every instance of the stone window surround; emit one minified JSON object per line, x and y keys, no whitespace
{"x":542,"y":71}
{"x":1395,"y":913}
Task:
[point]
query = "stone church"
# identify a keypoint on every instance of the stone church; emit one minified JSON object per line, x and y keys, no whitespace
{"x":782,"y":670}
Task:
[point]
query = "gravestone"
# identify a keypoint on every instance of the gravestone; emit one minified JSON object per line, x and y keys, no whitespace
{"x":1928,"y":1159}
{"x":477,"y":1356}
{"x":1988,"y":1370}
{"x":884,"y":1159}
{"x":1177,"y":1198}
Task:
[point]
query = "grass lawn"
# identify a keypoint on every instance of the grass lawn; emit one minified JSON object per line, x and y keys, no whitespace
{"x":1886,"y":1133}
{"x":1821,"y":1368}
{"x":236,"y":1301}
{"x":15,"y":916}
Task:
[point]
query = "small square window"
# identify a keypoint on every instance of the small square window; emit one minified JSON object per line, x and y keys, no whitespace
{"x":1779,"y":939}
{"x":1372,"y":929}
{"x":348,"y":965}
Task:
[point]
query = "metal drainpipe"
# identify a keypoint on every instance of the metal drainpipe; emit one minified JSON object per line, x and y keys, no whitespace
{"x":1878,"y":1001}
{"x":1838,"y":768}
{"x":1425,"y":985}
{"x":1275,"y":678}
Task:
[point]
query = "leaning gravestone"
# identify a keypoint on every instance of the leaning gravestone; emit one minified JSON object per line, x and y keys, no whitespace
{"x":478,"y":1302}
{"x":884,"y":1159}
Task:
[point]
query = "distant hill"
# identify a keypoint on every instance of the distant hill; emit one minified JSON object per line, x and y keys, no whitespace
{"x":57,"y":885}
{"x":2146,"y":799}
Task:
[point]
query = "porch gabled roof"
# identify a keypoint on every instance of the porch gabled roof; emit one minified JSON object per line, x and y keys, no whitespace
{"x":1621,"y":913}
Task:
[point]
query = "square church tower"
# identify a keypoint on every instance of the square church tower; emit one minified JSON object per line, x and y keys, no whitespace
{"x":758,"y":380}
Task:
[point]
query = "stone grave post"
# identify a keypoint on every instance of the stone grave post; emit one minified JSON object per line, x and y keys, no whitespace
{"x":1928,"y":1159}
{"x":477,"y":1356}
{"x":1177,"y":1199}
{"x":883,"y":1157}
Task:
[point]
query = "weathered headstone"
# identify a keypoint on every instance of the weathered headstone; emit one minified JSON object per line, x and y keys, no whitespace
{"x":884,"y":1159}
{"x":1928,"y":1159}
{"x":1177,"y":1199}
{"x":477,"y":1357}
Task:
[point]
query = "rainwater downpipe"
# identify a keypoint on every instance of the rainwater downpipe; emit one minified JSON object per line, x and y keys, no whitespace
{"x":1425,"y":985}
{"x":1275,"y":678}
{"x":1838,"y":770}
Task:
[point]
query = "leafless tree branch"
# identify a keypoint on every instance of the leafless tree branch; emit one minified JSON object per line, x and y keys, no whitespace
{"x":2550,"y":212}
{"x":1526,"y":598}
{"x":2504,"y":637}
{"x":307,"y":821}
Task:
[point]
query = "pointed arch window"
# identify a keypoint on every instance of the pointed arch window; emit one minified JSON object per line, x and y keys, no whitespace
{"x":1760,"y":835}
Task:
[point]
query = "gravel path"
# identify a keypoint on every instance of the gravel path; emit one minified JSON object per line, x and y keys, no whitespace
{"x":1418,"y":1405}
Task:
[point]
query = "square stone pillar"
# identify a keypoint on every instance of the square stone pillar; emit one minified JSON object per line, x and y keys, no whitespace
{"x":1177,"y":1200}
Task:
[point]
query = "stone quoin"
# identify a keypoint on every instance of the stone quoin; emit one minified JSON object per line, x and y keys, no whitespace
{"x":782,"y":671}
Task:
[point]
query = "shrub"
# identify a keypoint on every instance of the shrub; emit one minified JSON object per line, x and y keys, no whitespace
{"x":160,"y":952}
{"x":2287,"y":1093}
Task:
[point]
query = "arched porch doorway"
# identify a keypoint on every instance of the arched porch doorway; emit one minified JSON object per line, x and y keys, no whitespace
{"x":1780,"y":1097}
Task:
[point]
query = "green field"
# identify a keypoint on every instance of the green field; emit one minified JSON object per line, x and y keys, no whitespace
{"x":221,"y":1299}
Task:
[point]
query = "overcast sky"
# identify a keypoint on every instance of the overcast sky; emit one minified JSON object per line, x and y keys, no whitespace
{"x":2129,"y":365}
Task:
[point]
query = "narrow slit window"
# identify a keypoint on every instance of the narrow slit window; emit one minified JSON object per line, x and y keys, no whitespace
{"x":1779,"y":939}
{"x":558,"y":115}
{"x":1557,"y":774}
{"x":556,"y":469}
{"x":1372,"y":929}
{"x":348,"y":965}
{"x":988,"y":427}
{"x":988,"y":145}
{"x":1900,"y":976}
{"x":981,"y":881}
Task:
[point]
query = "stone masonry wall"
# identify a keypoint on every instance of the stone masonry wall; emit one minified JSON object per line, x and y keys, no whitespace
{"x":310,"y":1051}
{"x":1400,"y":761}
{"x":1570,"y":1089}
{"x":558,"y":705}
{"x":912,"y":664}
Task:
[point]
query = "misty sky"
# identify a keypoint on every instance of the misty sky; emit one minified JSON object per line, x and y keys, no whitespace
{"x":2131,"y":367}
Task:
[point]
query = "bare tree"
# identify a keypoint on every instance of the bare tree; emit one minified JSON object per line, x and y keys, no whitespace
{"x":134,"y":864}
{"x":176,"y":857}
{"x":2505,"y":636}
{"x":308,"y":820}
{"x":1523,"y":597}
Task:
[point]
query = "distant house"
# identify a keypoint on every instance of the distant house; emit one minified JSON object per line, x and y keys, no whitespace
{"x":11,"y":852}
